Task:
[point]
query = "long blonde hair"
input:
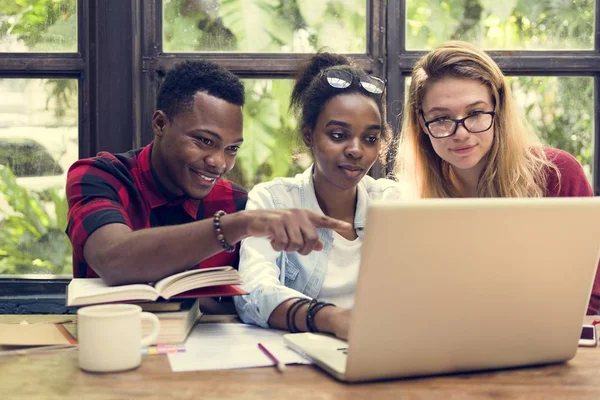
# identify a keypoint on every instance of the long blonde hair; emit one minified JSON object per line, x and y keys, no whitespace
{"x":516,"y":164}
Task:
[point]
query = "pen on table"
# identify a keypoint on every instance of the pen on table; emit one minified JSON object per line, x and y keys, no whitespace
{"x":280,"y":366}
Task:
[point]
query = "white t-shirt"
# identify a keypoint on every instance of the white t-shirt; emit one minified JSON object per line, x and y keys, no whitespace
{"x":342,"y":272}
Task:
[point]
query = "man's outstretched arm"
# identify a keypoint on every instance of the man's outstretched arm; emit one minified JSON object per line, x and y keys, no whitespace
{"x":120,"y":255}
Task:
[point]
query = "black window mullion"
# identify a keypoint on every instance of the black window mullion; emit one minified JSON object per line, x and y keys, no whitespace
{"x":113,"y":70}
{"x":596,"y":162}
{"x":530,"y":63}
{"x":40,"y":63}
{"x":282,"y":65}
{"x":376,"y":36}
{"x":85,"y":89}
{"x":151,"y":49}
{"x":396,"y":46}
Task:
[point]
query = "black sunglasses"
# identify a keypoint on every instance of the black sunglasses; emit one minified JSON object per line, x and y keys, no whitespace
{"x":341,"y":79}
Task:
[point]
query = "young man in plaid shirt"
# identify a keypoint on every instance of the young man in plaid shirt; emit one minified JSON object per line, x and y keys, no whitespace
{"x":139,"y":216}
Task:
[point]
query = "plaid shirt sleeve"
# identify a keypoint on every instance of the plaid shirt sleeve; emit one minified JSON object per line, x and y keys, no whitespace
{"x":96,"y":196}
{"x":231,"y":198}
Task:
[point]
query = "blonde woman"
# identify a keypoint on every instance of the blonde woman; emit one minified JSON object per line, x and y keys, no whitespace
{"x":461,"y":137}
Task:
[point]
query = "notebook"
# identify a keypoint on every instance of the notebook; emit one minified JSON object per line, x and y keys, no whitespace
{"x":41,"y":334}
{"x":453,"y":285}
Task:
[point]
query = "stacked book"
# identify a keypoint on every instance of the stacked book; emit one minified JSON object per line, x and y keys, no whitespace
{"x":174,"y":299}
{"x":177,"y":318}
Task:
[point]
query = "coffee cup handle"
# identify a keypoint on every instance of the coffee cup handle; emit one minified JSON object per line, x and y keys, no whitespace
{"x":150,"y":338}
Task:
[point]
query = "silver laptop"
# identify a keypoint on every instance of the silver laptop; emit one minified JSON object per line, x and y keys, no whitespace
{"x":451,"y":285}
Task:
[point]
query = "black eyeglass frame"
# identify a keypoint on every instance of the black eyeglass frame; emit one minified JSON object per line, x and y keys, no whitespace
{"x":457,"y":122}
{"x":348,"y":78}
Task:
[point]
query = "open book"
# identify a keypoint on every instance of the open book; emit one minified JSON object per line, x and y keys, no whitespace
{"x":215,"y":281}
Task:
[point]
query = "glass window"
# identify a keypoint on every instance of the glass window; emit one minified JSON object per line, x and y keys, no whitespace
{"x":264,"y":26}
{"x":272,"y":147}
{"x":26,"y":158}
{"x":48,"y":26}
{"x":508,"y":24}
{"x":561,"y":111}
{"x":38,"y":143}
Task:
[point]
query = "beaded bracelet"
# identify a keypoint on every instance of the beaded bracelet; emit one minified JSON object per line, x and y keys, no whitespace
{"x":295,"y":308}
{"x":219,"y":233}
{"x":288,"y":313}
{"x":295,"y":311}
{"x":313,"y":309}
{"x":309,"y":318}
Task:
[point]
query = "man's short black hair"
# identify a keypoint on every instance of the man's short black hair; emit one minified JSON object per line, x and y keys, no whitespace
{"x":186,"y":79}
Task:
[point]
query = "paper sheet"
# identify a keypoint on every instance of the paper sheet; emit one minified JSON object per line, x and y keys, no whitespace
{"x":228,"y":346}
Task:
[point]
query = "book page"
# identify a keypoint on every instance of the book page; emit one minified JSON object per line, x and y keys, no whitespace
{"x":215,"y":278}
{"x":83,"y":291}
{"x":227,"y":346}
{"x":172,"y":280}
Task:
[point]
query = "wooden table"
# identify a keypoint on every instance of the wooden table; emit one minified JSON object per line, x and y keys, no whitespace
{"x":56,"y":375}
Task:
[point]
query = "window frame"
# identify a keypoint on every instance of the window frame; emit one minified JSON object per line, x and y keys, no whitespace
{"x":263,"y":65}
{"x":95,"y":65}
{"x":124,"y":39}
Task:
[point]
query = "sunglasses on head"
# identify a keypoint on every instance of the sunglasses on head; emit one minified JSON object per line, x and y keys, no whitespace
{"x":341,"y":79}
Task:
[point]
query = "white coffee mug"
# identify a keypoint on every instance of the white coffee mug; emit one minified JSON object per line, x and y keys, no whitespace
{"x":110,"y":336}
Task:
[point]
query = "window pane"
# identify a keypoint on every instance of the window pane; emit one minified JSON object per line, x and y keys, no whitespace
{"x":508,"y":24}
{"x":264,"y":26}
{"x":272,"y":147}
{"x":47,"y":26}
{"x":38,"y":143}
{"x":561,"y":111}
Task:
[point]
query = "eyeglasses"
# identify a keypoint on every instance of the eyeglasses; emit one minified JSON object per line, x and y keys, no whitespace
{"x":445,"y":127}
{"x":341,"y":79}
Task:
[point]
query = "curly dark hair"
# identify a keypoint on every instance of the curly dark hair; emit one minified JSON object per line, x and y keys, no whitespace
{"x":177,"y":91}
{"x":311,"y":92}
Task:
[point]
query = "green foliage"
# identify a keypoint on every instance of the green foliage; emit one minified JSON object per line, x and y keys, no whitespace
{"x":508,"y":24}
{"x":32,"y":238}
{"x":264,"y":25}
{"x":561,"y":111}
{"x":44,"y":25}
{"x":270,"y":140}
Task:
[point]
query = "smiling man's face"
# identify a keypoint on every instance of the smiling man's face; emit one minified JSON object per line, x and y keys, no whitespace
{"x":197,"y":147}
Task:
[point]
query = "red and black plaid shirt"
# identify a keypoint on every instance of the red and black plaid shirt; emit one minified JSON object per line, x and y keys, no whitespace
{"x":123,"y":189}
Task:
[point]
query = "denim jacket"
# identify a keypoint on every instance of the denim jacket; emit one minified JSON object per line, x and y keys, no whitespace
{"x":271,"y":277}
